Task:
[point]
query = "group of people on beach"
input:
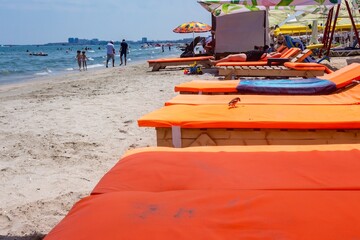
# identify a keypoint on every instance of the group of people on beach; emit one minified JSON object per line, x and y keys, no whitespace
{"x":110,"y":52}
{"x":110,"y":55}
{"x":81,"y":59}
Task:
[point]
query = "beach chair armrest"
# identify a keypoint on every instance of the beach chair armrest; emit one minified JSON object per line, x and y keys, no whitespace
{"x":270,"y":61}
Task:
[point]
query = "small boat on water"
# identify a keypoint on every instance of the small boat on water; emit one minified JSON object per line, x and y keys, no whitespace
{"x":38,"y":54}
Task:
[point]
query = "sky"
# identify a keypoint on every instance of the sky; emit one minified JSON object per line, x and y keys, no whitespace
{"x":48,"y":21}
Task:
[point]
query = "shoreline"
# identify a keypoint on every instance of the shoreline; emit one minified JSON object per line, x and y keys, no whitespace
{"x":25,"y":79}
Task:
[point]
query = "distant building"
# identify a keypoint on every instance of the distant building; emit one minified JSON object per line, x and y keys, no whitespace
{"x":144,"y":40}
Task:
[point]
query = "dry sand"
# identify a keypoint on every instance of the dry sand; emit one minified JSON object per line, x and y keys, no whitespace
{"x":60,"y":135}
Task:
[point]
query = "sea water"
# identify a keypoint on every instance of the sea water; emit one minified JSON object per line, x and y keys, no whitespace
{"x":17,"y":65}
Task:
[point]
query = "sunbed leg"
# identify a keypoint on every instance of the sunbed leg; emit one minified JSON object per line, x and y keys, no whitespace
{"x":228,"y":76}
{"x":156,"y":67}
{"x":176,"y":136}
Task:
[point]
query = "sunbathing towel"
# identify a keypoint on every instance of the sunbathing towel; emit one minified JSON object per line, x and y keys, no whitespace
{"x":286,"y":86}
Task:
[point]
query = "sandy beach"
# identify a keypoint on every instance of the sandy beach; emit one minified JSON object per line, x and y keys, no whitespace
{"x":60,"y":135}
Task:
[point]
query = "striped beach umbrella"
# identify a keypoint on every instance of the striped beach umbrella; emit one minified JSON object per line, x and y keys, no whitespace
{"x":192,"y":27}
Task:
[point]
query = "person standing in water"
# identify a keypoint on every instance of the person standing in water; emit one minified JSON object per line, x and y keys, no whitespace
{"x":84,"y":58}
{"x":110,"y":52}
{"x":79,"y":58}
{"x":123,"y":51}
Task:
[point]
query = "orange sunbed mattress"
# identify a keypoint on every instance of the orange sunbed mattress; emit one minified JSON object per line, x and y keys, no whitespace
{"x":237,"y":149}
{"x":208,"y":86}
{"x":217,"y":214}
{"x":351,"y":96}
{"x":255,"y":116}
{"x":188,"y":59}
{"x":253,"y":170}
{"x":341,"y":78}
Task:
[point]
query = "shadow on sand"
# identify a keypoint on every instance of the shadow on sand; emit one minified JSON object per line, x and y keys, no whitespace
{"x":35,"y":236}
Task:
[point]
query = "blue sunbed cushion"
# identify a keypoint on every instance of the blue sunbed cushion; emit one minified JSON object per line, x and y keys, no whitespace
{"x":287,"y":86}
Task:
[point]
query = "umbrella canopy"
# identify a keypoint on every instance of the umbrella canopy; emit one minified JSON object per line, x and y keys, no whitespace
{"x":222,"y":7}
{"x":192,"y":27}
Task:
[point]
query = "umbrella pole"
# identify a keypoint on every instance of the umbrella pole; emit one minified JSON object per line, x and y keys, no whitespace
{"x":193,"y":50}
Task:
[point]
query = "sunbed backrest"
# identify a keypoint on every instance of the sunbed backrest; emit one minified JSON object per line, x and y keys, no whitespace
{"x":281,"y":49}
{"x":291,"y":52}
{"x":344,"y":76}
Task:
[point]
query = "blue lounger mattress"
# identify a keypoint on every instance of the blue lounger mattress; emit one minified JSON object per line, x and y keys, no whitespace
{"x":309,"y":86}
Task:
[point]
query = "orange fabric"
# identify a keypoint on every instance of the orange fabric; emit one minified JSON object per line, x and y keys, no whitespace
{"x":281,"y":48}
{"x":189,"y":59}
{"x":291,"y":52}
{"x":216,"y":215}
{"x":238,"y":149}
{"x":208,"y":86}
{"x":351,"y":96}
{"x":305,"y":66}
{"x":344,"y":76}
{"x":257,"y":170}
{"x":255,"y":116}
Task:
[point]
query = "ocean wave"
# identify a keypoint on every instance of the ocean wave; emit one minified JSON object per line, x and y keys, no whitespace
{"x":95,"y":65}
{"x":46,"y":72}
{"x":41,"y":74}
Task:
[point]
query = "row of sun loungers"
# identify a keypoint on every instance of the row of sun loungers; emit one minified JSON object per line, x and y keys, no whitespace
{"x":269,"y":68}
{"x":268,"y":167}
{"x":286,"y":121}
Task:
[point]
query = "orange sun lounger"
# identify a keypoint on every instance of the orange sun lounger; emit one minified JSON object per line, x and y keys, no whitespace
{"x":219,"y":125}
{"x":272,"y":68}
{"x":222,"y":192}
{"x":342,"y":78}
{"x":158,"y":64}
{"x":350,"y":96}
{"x":236,"y":168}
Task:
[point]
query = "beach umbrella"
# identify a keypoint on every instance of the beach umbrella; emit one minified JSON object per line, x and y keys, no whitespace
{"x":192,"y":27}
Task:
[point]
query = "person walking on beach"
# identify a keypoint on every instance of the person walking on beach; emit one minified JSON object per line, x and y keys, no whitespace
{"x":79,"y":58}
{"x":83,"y":59}
{"x":123,"y":51}
{"x":110,"y":52}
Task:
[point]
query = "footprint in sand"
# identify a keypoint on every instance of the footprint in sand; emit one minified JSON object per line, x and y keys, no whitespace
{"x":5,"y":222}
